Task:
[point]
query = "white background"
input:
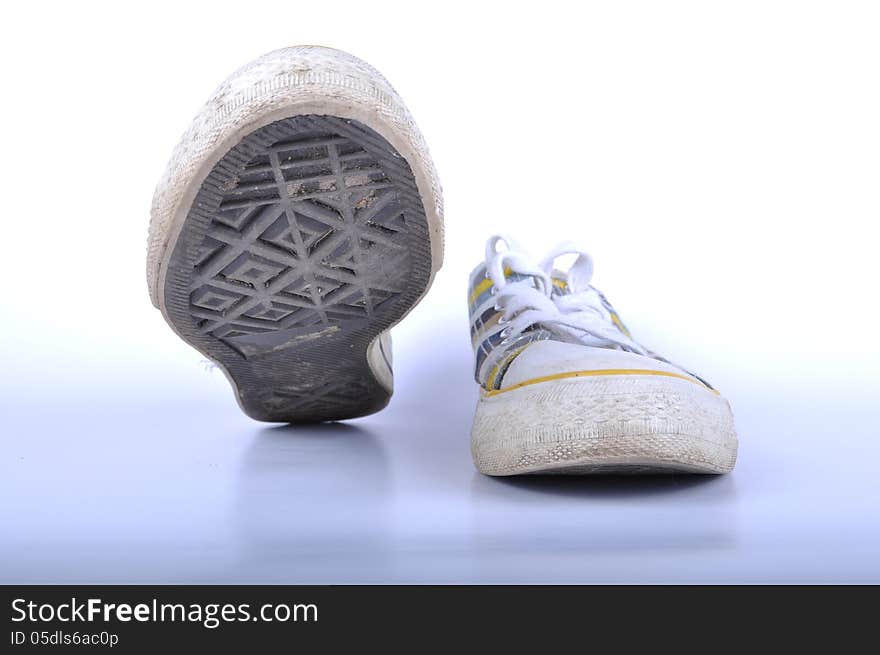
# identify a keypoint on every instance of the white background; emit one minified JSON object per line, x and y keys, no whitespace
{"x":719,"y":160}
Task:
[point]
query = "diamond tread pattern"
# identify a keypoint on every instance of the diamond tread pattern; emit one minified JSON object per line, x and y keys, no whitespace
{"x":305,"y":241}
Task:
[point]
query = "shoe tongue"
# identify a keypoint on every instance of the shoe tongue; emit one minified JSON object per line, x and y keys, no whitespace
{"x":564,"y":284}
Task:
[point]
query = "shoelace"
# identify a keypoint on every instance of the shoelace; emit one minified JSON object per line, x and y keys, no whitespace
{"x":579,"y":316}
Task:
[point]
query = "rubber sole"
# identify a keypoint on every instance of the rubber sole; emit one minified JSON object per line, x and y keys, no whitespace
{"x":620,"y":425}
{"x":306,"y":241}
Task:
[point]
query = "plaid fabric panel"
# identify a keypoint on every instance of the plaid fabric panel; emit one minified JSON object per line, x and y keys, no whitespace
{"x":490,"y":372}
{"x":492,"y":352}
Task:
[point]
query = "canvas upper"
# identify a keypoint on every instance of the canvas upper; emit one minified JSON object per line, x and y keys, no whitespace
{"x":531,"y":322}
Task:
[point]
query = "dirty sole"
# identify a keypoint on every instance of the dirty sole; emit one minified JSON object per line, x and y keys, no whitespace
{"x":305,"y":242}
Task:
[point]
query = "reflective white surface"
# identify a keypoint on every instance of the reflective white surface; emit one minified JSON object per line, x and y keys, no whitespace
{"x":146,"y":480}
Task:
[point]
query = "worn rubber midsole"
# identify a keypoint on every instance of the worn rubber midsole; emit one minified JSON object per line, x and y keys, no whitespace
{"x":288,"y":82}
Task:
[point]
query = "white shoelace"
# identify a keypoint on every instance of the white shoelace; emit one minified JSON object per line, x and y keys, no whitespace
{"x":579,"y":316}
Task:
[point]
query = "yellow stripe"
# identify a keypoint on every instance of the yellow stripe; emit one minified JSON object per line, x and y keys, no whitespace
{"x":479,"y":289}
{"x":620,"y":326}
{"x":491,"y":380}
{"x":606,"y":371}
{"x":508,"y":358}
{"x":562,"y":284}
{"x":485,"y":284}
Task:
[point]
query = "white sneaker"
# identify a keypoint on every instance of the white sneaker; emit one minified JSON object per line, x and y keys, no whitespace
{"x":300,"y":218}
{"x":566,"y":389}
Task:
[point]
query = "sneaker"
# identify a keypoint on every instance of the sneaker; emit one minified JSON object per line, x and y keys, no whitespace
{"x":566,"y":389}
{"x":299,"y":219}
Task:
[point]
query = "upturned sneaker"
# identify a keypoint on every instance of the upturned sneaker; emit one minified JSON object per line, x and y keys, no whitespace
{"x":566,"y":389}
{"x":300,"y":218}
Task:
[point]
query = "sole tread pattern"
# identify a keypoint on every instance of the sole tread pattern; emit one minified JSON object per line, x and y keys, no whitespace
{"x":306,"y":240}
